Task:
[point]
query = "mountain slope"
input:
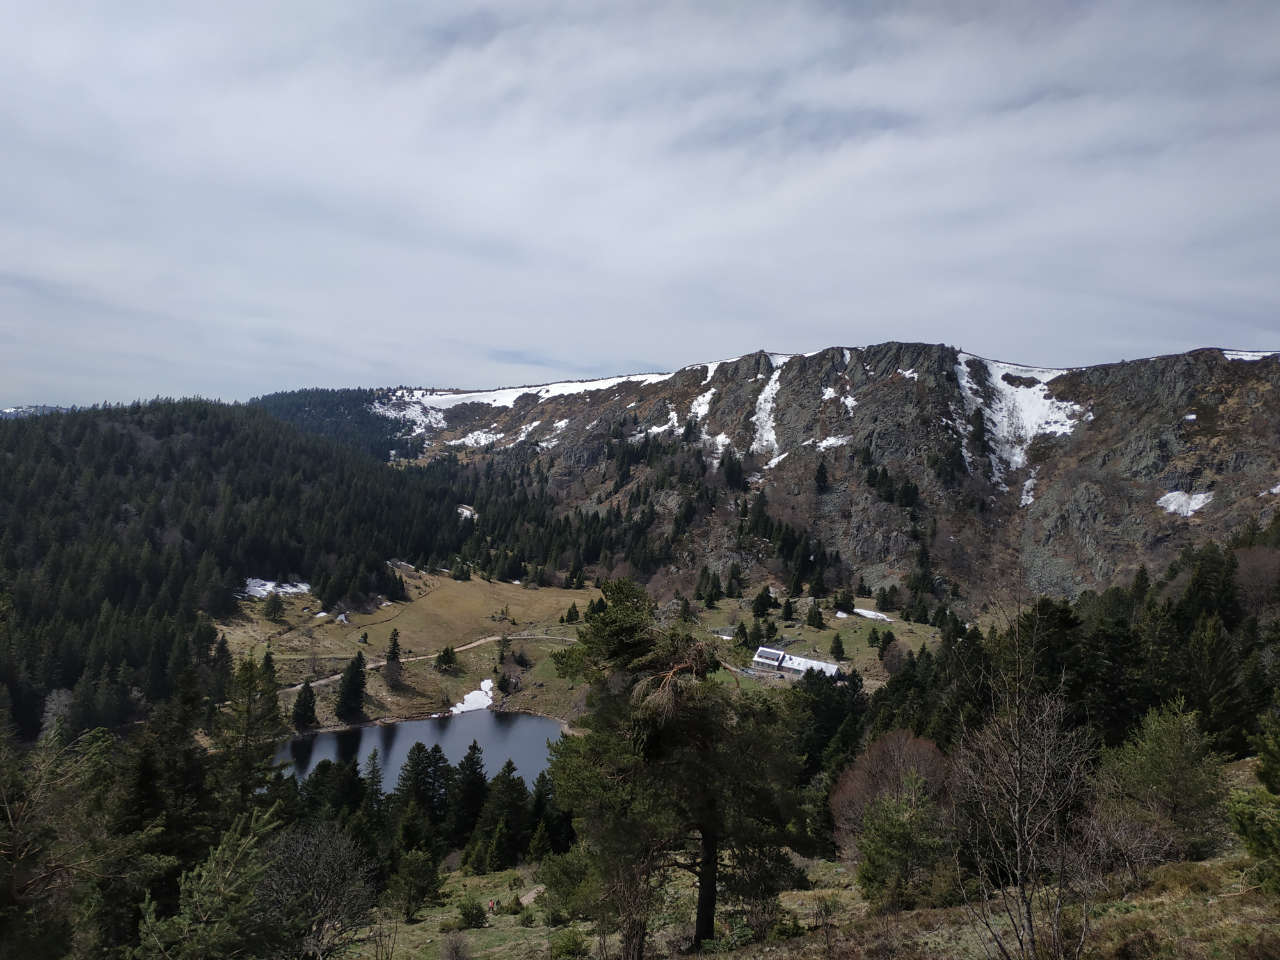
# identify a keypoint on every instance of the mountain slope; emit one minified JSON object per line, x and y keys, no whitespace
{"x":1028,"y":478}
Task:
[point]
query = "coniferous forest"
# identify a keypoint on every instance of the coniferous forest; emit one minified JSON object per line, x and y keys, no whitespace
{"x":1017,"y":777}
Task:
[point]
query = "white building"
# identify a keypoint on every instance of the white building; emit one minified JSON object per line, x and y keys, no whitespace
{"x":767,"y":658}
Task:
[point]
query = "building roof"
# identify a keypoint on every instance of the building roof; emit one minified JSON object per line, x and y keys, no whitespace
{"x":781,"y":660}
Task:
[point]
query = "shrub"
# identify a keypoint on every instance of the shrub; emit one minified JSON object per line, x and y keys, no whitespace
{"x":526,"y":917}
{"x":553,"y":916}
{"x":1167,"y":784}
{"x":567,"y":944}
{"x":471,"y":914}
{"x":455,"y":948}
{"x":901,"y":846}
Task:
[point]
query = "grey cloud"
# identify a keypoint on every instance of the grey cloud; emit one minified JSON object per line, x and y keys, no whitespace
{"x":276,"y":195}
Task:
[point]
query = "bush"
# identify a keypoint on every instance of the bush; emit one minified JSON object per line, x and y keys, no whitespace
{"x":455,"y":948}
{"x":567,"y":944}
{"x":1191,"y":877}
{"x":901,"y":847}
{"x":553,"y":916}
{"x":1166,"y":783}
{"x":526,"y":917}
{"x":471,"y":914}
{"x":513,"y":907}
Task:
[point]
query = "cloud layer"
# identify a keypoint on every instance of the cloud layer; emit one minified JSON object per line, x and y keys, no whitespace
{"x":266,"y":196}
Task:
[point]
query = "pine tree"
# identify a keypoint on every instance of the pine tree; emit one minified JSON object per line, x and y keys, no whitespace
{"x":820,"y":479}
{"x":814,"y":617}
{"x":467,"y":794}
{"x":393,"y":670}
{"x":304,"y":708}
{"x":351,"y":688}
{"x":246,"y":734}
{"x":273,"y":606}
{"x":446,"y":660}
{"x":788,"y":611}
{"x":837,"y":648}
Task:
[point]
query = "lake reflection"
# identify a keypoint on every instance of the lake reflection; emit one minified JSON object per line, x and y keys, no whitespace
{"x":517,"y":736}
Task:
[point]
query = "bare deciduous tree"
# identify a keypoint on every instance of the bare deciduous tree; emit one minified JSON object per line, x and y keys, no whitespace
{"x":1020,"y":787}
{"x":318,"y":886}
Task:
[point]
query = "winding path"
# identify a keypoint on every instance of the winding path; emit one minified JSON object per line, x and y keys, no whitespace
{"x":375,"y":664}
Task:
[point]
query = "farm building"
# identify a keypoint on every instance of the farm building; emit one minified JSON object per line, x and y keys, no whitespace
{"x":767,"y":658}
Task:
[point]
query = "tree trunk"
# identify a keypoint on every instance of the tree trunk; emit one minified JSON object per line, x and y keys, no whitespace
{"x":704,"y":927}
{"x":632,"y":933}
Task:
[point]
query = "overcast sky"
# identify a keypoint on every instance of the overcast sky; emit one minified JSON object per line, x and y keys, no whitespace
{"x":260,"y":196}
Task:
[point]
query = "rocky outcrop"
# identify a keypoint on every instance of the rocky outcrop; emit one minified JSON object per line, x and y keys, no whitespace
{"x":1028,"y":479}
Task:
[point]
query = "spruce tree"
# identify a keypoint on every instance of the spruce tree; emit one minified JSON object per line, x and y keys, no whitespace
{"x":393,"y":670}
{"x":837,"y":648}
{"x":467,"y":795}
{"x":304,"y":708}
{"x":814,"y":617}
{"x":273,"y":606}
{"x":351,"y":690}
{"x":788,"y":611}
{"x":246,"y":734}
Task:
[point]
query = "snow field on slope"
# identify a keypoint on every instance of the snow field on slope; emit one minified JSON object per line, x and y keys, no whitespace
{"x":1184,"y":504}
{"x":253,"y":587}
{"x":766,"y":440}
{"x":1016,"y":415}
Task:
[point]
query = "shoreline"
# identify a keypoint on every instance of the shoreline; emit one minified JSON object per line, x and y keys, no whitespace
{"x":391,"y":720}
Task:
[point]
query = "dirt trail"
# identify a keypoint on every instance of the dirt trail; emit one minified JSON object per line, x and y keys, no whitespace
{"x":375,"y":664}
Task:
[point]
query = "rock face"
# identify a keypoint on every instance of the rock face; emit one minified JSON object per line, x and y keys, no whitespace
{"x":1028,"y":479}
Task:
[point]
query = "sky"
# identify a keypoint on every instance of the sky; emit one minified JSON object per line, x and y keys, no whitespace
{"x":230,"y":199}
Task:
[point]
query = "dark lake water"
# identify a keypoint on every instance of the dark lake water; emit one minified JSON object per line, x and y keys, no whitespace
{"x":517,"y":736}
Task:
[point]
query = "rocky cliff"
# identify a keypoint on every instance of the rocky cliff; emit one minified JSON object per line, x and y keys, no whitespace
{"x":1016,"y":479}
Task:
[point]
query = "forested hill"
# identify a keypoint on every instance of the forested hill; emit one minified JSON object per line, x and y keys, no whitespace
{"x":121,"y":528}
{"x":346,"y":416}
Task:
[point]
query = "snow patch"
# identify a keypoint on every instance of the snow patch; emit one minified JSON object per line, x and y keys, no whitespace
{"x":1016,"y":414}
{"x":253,"y":587}
{"x":475,"y":700}
{"x":673,"y":423}
{"x":702,"y":405}
{"x":872,"y":615}
{"x":1248,"y":354}
{"x":1189,"y":416}
{"x":321,"y":614}
{"x":766,"y":440}
{"x":1274,"y":491}
{"x":527,"y":429}
{"x":423,"y":408}
{"x":849,"y":403}
{"x":1029,"y":489}
{"x":828,"y":393}
{"x":830,"y":442}
{"x":477,"y":438}
{"x":467,"y":512}
{"x":1184,"y":504}
{"x":775,"y":461}
{"x":909,"y":374}
{"x":841,"y":615}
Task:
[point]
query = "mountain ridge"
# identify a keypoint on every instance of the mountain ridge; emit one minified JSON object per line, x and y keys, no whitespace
{"x":1058,"y":479}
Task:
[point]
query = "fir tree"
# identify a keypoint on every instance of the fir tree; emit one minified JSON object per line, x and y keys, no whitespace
{"x":814,"y":617}
{"x":273,"y":606}
{"x":351,"y":688}
{"x":393,"y":670}
{"x":304,"y":708}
